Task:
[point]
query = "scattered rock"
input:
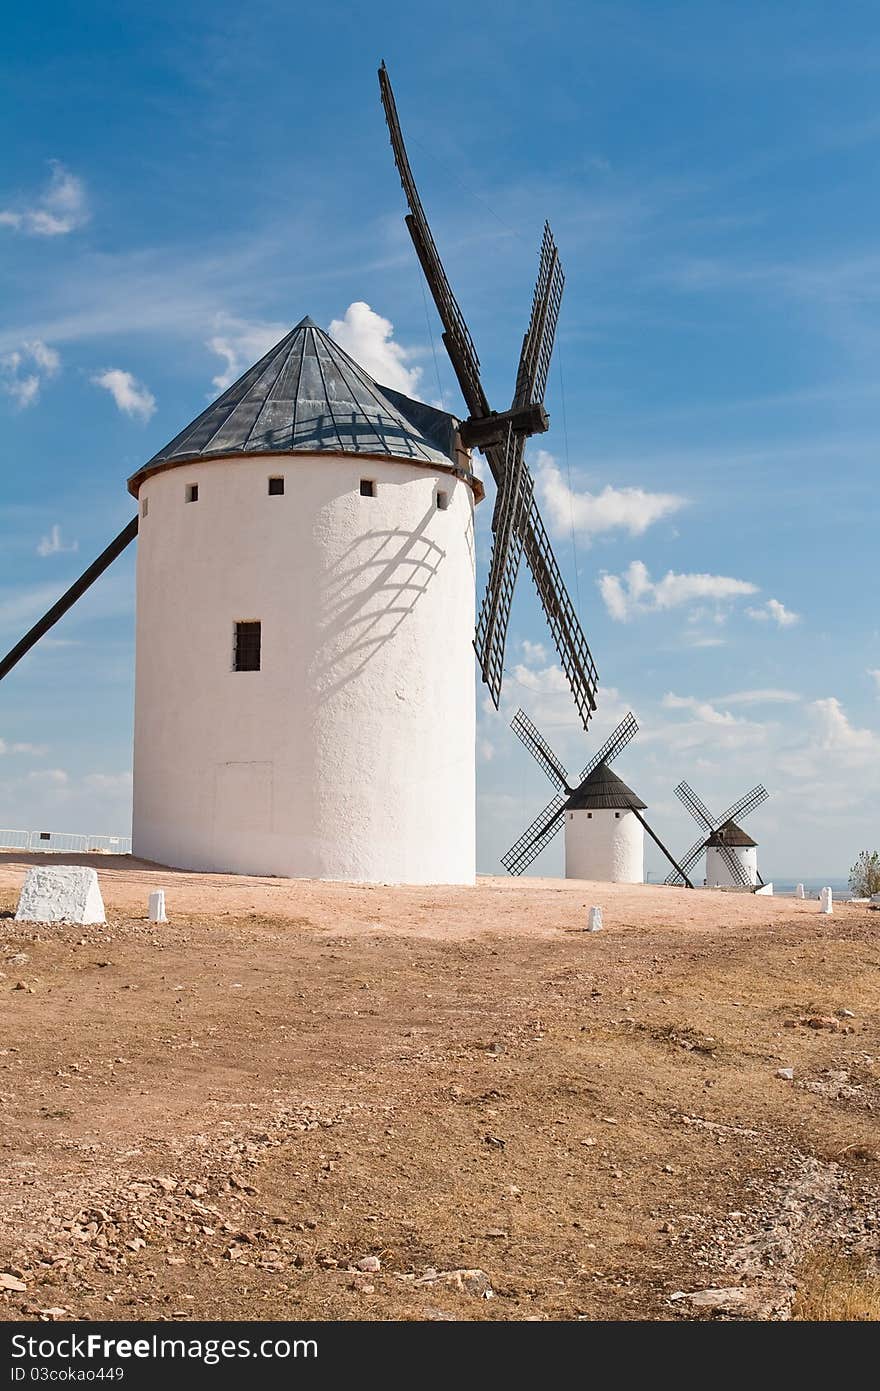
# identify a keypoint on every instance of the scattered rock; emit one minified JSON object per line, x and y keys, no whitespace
{"x":369,"y":1265}
{"x":474,"y":1282}
{"x":786,"y":1073}
{"x":754,"y":1302}
{"x":11,"y":1282}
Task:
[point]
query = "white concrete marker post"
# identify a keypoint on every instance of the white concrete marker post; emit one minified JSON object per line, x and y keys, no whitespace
{"x":799,"y":891}
{"x":156,"y":907}
{"x":826,"y":899}
{"x":594,"y":922}
{"x":66,"y":894}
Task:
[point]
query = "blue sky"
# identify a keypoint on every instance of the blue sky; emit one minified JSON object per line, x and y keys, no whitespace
{"x":182,"y":183}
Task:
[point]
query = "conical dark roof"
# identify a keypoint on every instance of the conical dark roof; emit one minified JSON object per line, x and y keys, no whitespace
{"x":308,"y":396}
{"x":730,"y":834}
{"x":603,"y":790}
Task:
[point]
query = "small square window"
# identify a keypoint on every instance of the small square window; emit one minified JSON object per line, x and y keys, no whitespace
{"x":247,"y":646}
{"x":192,"y":492}
{"x":368,"y":487}
{"x":442,"y":500}
{"x":589,"y":816}
{"x":145,"y":506}
{"x":276,"y":487}
{"x":617,"y":816}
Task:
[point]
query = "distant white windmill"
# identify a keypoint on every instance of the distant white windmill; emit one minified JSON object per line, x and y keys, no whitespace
{"x":731,"y":853}
{"x":604,"y":825}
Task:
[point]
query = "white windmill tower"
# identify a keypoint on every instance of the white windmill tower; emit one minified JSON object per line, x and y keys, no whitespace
{"x":604,"y":825}
{"x":305,"y":597}
{"x":301,"y":545}
{"x":731,"y":853}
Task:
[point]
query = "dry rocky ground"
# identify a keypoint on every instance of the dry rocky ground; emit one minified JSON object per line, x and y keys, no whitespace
{"x":301,"y":1100}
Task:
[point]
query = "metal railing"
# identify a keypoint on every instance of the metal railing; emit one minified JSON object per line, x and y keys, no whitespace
{"x":69,"y":842}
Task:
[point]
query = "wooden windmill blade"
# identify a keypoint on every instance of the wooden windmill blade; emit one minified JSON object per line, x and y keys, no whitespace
{"x":515,"y":487}
{"x":626,"y":730}
{"x":456,"y":336}
{"x":571,"y":645}
{"x":487,"y":430}
{"x":514,"y":496}
{"x":537,"y":348}
{"x":537,"y":745}
{"x":746,"y":804}
{"x":698,"y":809}
{"x":69,"y":597}
{"x":734,"y":866}
{"x":539,"y":834}
{"x":689,"y":859}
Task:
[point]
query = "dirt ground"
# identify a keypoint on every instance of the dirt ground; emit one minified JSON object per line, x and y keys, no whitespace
{"x":226,"y":1115}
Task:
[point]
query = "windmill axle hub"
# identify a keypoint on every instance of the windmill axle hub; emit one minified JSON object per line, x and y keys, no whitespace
{"x":492,"y":429}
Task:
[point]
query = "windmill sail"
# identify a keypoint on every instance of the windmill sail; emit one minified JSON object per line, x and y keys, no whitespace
{"x":568,"y":636}
{"x":537,"y":745}
{"x":685,"y":863}
{"x":698,"y":810}
{"x":537,"y":348}
{"x":626,"y":730}
{"x":459,"y":344}
{"x":539,"y":834}
{"x":746,"y":804}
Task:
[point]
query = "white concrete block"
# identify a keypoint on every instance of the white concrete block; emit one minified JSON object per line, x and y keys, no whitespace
{"x":799,"y":891}
{"x":62,"y":894}
{"x":156,"y":907}
{"x":594,"y":922}
{"x":826,"y":901}
{"x":766,"y":889}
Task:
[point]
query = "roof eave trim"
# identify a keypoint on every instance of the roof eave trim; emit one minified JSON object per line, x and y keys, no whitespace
{"x":182,"y":460}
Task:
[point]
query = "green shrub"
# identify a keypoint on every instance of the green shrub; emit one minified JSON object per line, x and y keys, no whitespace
{"x":864,"y":877}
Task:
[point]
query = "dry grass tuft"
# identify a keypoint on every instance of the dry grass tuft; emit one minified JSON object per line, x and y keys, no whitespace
{"x":837,"y":1289}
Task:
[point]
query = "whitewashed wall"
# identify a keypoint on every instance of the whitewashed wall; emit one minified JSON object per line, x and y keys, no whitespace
{"x":605,"y":847}
{"x":350,"y":754}
{"x":717,"y":871}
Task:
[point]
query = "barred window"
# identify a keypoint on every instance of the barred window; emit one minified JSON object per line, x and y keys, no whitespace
{"x":276,"y":487}
{"x":247,"y":646}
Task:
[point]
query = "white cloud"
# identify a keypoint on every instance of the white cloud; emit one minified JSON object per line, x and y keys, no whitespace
{"x":53,"y":777}
{"x":485,"y":749}
{"x":241,"y":343}
{"x":53,"y":545}
{"x":837,"y":734}
{"x":367,"y":337}
{"x":590,"y":514}
{"x":875,"y":673}
{"x":25,"y":369}
{"x":120,"y":783}
{"x":131,"y":397}
{"x":701,"y":709}
{"x":60,"y":208}
{"x":703,"y":640}
{"x":767,"y":696}
{"x":774,"y":612}
{"x":635,"y":592}
{"x":534,"y":652}
{"x":36,"y":749}
{"x":20,"y":607}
